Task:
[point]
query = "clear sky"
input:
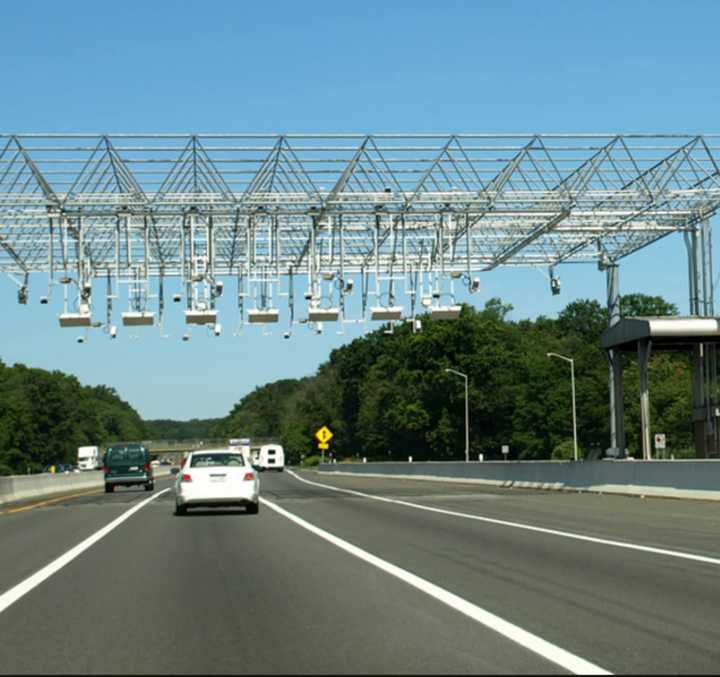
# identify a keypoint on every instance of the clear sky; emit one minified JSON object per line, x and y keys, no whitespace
{"x":390,"y":66}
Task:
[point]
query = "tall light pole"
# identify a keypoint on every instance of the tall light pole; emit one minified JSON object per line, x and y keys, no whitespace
{"x":467,"y":413}
{"x":572,"y":378}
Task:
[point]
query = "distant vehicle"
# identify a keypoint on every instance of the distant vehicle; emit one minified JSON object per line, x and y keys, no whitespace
{"x":58,"y":468}
{"x":241,"y":444}
{"x":270,"y":457}
{"x":128,"y":465}
{"x":155,"y":463}
{"x":89,"y":458}
{"x":216,"y":477}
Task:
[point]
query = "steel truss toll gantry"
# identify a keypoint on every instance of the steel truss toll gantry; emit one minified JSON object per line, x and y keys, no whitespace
{"x":410,"y":214}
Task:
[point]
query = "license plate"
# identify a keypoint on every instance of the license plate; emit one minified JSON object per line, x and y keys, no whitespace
{"x":217,"y":478}
{"x":133,"y":468}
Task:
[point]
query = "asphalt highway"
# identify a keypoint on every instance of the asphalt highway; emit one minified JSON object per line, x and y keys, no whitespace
{"x":363,"y":580}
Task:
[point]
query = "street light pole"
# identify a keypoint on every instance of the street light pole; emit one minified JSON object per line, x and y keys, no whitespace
{"x":572,"y":379}
{"x":467,"y":413}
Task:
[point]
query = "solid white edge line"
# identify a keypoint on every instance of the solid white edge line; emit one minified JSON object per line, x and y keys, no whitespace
{"x":527,"y":640}
{"x":519,"y":525}
{"x":24,"y":587}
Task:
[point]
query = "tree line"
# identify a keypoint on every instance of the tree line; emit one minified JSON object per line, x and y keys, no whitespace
{"x":387,"y":396}
{"x":46,"y":415}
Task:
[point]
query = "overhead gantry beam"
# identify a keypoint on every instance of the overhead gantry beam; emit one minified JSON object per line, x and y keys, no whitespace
{"x":499,"y":200}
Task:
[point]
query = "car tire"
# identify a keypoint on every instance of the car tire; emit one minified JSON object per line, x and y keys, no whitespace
{"x":109,"y":488}
{"x":180,"y":510}
{"x":253,"y":508}
{"x":149,"y":486}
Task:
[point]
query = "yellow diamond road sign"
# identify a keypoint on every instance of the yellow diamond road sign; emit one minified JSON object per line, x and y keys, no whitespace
{"x":324,"y":435}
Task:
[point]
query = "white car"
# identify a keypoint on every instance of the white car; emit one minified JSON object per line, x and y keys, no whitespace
{"x":216,"y":477}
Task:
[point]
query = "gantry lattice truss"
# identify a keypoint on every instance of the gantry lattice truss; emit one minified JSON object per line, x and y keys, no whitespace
{"x":208,"y":205}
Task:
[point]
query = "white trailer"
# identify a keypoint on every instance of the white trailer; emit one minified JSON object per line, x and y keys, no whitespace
{"x":270,"y":457}
{"x":89,"y":458}
{"x":241,"y":444}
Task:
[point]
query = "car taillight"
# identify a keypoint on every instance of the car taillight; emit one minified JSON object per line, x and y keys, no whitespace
{"x":249,"y":476}
{"x":186,"y":478}
{"x":146,"y":467}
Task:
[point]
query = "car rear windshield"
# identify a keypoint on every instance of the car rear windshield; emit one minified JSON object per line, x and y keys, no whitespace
{"x":121,"y":455}
{"x":214,"y":460}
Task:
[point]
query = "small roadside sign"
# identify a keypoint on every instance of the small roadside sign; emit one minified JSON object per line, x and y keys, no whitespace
{"x":660,"y":441}
{"x":505,"y":450}
{"x":324,"y":435}
{"x":323,"y":445}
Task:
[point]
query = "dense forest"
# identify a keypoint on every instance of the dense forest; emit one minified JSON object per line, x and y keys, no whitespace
{"x":45,"y":416}
{"x":387,"y":396}
{"x":167,"y":429}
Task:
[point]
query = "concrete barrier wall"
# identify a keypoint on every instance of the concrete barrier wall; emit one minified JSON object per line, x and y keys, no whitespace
{"x":22,"y":487}
{"x":681,"y":479}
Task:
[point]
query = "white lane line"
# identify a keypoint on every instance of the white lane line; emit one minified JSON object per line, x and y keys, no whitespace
{"x":527,"y":640}
{"x":24,"y":587}
{"x":527,"y":527}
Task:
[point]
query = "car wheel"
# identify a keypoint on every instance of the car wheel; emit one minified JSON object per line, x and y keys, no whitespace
{"x":180,"y":510}
{"x":253,"y":508}
{"x":109,"y":488}
{"x":149,"y":486}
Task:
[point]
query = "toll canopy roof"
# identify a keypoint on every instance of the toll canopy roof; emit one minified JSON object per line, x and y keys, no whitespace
{"x":666,"y":332}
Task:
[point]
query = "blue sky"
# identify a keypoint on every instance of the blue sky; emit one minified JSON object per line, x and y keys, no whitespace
{"x":333,"y":67}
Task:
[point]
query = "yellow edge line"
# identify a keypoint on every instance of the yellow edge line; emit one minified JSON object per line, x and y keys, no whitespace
{"x":49,"y":501}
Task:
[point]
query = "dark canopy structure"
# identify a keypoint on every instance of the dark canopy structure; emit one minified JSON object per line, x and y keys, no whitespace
{"x":644,"y":335}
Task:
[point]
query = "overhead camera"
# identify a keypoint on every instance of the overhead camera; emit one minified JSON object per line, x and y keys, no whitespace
{"x":319,"y":328}
{"x":287,"y":335}
{"x":186,"y":337}
{"x":44,"y":300}
{"x":436,"y":294}
{"x":219,"y":288}
{"x":308,"y":295}
{"x":113,"y":331}
{"x":217,"y":329}
{"x":86,"y":291}
{"x":555,"y":285}
{"x":81,"y":339}
{"x":177,"y":298}
{"x":475,"y":285}
{"x":349,"y":286}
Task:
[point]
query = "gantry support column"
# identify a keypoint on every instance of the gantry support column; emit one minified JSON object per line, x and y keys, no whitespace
{"x":617,"y":398}
{"x":644,"y":350}
{"x":702,"y":303}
